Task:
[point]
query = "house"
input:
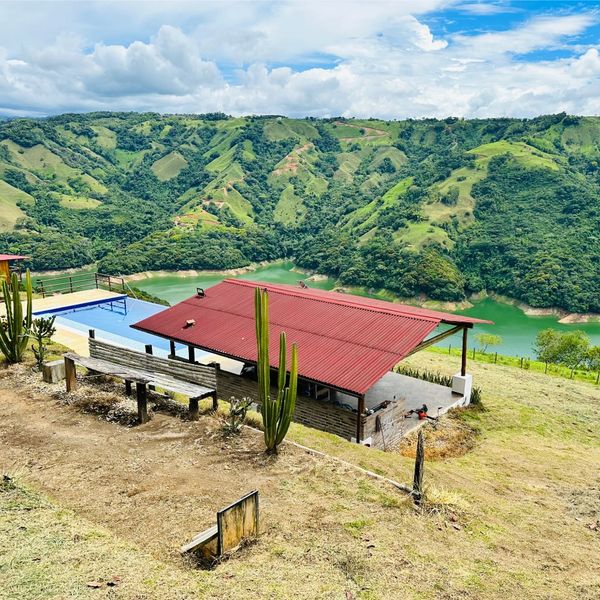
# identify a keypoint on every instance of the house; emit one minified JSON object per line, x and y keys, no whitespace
{"x":347,"y":348}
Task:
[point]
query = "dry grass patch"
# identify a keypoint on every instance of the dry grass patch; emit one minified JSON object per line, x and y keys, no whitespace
{"x":449,"y":437}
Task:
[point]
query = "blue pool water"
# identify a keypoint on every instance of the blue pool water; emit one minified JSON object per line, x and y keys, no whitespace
{"x":112,"y":320}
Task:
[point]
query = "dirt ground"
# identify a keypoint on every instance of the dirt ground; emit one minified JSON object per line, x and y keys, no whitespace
{"x":513,"y":516}
{"x":167,"y":477}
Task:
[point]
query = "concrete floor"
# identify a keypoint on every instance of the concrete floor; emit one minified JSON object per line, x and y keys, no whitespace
{"x":413,"y":393}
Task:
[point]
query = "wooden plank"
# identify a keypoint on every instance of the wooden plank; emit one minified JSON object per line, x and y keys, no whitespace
{"x":237,"y":521}
{"x":201,"y":539}
{"x":200,"y":374}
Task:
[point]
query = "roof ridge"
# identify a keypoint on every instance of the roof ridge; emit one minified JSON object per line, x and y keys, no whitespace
{"x":340,"y":302}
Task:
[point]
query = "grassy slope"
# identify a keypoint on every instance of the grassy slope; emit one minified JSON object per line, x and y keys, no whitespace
{"x":9,"y":211}
{"x":169,"y":166}
{"x":289,"y":207}
{"x":465,"y":177}
{"x":521,"y":502}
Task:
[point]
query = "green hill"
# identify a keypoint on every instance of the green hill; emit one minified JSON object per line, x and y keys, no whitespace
{"x":440,"y":207}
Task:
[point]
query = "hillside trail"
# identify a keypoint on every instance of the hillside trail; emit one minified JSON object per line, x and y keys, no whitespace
{"x":156,"y":484}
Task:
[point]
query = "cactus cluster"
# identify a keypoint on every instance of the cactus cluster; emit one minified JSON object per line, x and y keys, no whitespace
{"x":276,"y":411}
{"x":15,"y":327}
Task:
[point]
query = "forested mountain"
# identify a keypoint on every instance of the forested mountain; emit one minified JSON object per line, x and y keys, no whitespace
{"x":440,"y":207}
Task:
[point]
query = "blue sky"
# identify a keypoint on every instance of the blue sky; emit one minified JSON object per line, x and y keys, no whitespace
{"x":377,"y":58}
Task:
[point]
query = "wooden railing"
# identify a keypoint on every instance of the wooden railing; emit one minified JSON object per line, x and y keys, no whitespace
{"x":67,"y":284}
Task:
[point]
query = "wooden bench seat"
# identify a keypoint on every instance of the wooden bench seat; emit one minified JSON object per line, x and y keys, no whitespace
{"x":145,"y":370}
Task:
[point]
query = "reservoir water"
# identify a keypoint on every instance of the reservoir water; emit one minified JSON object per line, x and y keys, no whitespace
{"x":517,"y":329}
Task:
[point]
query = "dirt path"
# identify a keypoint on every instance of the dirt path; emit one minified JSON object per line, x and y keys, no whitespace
{"x":156,"y":485}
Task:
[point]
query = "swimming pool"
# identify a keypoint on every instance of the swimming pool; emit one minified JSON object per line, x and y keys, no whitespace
{"x":112,"y":319}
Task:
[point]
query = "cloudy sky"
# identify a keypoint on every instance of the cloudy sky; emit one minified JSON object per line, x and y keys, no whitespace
{"x":391,"y":59}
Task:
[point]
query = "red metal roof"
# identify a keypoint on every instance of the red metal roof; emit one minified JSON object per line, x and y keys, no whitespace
{"x":344,"y":341}
{"x":12,"y":257}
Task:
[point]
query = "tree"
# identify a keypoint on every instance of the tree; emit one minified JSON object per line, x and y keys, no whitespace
{"x":546,"y":346}
{"x":488,"y":339}
{"x":276,"y":412}
{"x":569,"y":349}
{"x":593,"y":360}
{"x":573,"y":348}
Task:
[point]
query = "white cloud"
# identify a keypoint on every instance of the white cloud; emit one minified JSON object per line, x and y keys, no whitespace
{"x":371,"y":59}
{"x":485,"y":8}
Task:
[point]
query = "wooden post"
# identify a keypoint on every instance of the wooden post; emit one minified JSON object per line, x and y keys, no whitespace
{"x":361,"y":410}
{"x":418,"y":478}
{"x":463,"y":365}
{"x":128,"y":387}
{"x":142,"y":402}
{"x":191,"y":354}
{"x":92,"y":334}
{"x":70,"y":375}
{"x":172,"y":347}
{"x":194,"y":410}
{"x":71,"y":284}
{"x":215,"y":401}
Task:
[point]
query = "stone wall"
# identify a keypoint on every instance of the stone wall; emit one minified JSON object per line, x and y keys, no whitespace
{"x":313,"y":413}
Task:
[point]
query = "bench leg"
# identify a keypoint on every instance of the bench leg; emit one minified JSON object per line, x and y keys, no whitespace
{"x":194,"y":410}
{"x":128,"y":387}
{"x":142,"y":402}
{"x":70,"y":375}
{"x":215,"y":400}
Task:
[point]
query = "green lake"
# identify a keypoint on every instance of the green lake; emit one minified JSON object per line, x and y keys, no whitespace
{"x":517,"y":330}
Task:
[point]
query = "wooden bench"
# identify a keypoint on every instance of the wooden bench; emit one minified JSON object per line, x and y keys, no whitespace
{"x":234,"y":523}
{"x":146,"y":371}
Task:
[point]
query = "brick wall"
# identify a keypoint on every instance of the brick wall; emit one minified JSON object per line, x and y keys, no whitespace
{"x":313,"y":413}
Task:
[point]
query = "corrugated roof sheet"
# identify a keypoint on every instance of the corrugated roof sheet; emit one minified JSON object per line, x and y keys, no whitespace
{"x":346,"y":342}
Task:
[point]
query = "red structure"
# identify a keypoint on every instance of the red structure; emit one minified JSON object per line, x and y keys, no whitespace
{"x":5,"y":260}
{"x":345,"y":342}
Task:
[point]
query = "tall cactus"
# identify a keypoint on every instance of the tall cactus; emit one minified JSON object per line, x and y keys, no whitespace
{"x":14,"y":327}
{"x":276,"y":412}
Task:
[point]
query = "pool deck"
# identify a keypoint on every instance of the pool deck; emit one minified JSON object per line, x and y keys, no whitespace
{"x":70,"y":338}
{"x":73,"y":299}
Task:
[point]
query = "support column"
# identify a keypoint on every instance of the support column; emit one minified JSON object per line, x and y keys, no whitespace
{"x":172,"y":347}
{"x":359,"y":414}
{"x":463,"y":364}
{"x":191,"y":354}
